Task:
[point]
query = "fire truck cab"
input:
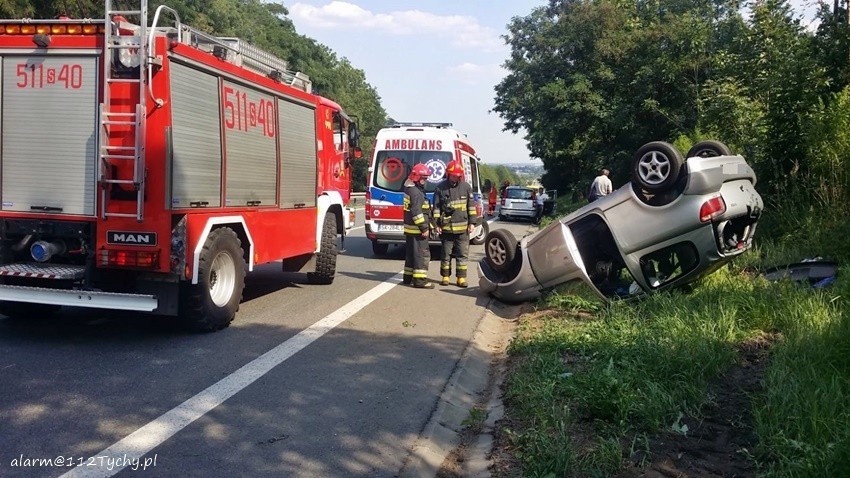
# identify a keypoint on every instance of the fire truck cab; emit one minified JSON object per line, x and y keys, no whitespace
{"x":148,"y":166}
{"x":397,"y":149}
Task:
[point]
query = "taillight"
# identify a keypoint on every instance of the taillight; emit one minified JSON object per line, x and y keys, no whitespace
{"x":123,"y":258}
{"x":367,"y":208}
{"x":711,"y":209}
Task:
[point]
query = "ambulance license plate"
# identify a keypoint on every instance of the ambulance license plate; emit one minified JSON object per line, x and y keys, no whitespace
{"x":391,"y":227}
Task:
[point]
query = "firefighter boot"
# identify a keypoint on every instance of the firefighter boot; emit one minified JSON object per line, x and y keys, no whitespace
{"x":422,"y":284}
{"x":461,"y":282}
{"x":445,"y":280}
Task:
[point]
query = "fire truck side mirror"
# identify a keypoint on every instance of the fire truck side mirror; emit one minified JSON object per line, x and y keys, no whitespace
{"x":353,"y":136}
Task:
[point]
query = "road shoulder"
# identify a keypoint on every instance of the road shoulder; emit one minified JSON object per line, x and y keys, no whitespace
{"x":458,"y":437}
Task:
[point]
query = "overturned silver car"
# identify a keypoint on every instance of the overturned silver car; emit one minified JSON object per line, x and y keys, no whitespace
{"x":675,"y":222}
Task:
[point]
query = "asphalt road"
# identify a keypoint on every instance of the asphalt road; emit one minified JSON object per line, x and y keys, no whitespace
{"x":309,"y":380}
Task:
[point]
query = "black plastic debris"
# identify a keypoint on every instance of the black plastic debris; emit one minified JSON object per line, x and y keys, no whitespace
{"x":817,"y":272}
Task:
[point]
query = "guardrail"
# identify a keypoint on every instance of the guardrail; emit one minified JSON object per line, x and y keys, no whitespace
{"x":357,"y":199}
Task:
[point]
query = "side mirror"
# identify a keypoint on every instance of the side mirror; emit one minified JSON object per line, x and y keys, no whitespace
{"x":353,"y":136}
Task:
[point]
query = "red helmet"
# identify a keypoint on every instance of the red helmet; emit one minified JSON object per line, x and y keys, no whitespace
{"x":454,"y":168}
{"x":418,"y":172}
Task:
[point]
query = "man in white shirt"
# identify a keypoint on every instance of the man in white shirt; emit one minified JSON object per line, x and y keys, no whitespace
{"x":542,"y":197}
{"x":601,"y":186}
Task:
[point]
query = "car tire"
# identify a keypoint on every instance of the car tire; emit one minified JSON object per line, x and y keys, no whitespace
{"x":501,"y":217}
{"x":708,"y":149}
{"x":500,"y":250}
{"x":380,"y":249}
{"x":326,"y":258}
{"x":211,"y":304}
{"x":479,"y":233}
{"x":656,"y":166}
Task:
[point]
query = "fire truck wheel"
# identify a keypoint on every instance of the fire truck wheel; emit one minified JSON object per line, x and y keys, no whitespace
{"x":212,"y":303}
{"x":326,"y":258}
{"x":21,"y":310}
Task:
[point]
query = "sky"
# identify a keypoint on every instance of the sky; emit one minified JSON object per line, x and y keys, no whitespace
{"x":434,"y":60}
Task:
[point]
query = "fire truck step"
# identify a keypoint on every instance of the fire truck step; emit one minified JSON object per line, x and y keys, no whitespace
{"x":125,"y":46}
{"x":118,"y":181}
{"x":116,"y":156}
{"x":124,"y":80}
{"x":79,"y":298}
{"x":119,"y":114}
{"x":118,"y":214}
{"x":124,"y":12}
{"x":38,"y":270}
{"x":118,"y":148}
{"x":124,"y":123}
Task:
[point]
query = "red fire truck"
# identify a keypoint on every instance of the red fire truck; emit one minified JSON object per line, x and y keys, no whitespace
{"x":146,"y":166}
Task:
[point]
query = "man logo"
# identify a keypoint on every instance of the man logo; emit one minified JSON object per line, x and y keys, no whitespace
{"x":131,"y":238}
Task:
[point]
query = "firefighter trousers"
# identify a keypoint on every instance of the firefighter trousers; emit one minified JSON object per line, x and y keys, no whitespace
{"x":457,"y":246}
{"x":416,"y":259}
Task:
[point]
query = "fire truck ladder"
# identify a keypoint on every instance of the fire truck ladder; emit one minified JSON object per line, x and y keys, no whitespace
{"x":133,"y":50}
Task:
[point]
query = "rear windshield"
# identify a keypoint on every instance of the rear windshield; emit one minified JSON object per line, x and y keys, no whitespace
{"x":393,"y":167}
{"x":519,"y":193}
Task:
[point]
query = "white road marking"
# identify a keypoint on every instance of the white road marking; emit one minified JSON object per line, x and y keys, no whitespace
{"x":134,"y":446}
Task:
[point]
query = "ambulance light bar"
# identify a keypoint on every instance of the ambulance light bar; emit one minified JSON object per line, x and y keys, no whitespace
{"x":435,"y":125}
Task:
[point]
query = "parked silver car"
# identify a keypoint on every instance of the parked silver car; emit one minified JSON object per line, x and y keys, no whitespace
{"x":675,"y":222}
{"x":519,"y":203}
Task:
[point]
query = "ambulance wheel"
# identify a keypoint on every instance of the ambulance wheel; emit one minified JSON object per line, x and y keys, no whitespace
{"x":211,"y":304}
{"x":380,"y":249}
{"x":326,"y":258}
{"x":479,"y":233}
{"x":23,"y":310}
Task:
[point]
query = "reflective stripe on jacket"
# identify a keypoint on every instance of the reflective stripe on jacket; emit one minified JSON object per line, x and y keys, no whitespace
{"x":417,"y":209}
{"x":454,"y":206}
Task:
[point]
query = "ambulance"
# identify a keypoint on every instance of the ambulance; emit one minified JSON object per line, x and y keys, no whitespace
{"x":397,"y":149}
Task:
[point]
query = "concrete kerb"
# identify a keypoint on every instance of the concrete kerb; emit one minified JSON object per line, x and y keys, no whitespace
{"x":466,"y":387}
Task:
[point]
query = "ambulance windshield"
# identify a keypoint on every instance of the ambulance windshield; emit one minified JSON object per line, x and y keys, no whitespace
{"x":393,"y":167}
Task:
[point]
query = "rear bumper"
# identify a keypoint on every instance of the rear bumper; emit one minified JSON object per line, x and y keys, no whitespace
{"x":524,"y":213}
{"x":78,"y":298}
{"x":374,"y":233}
{"x":385,"y":237}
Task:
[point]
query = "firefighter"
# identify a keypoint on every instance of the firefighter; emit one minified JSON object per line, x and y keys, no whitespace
{"x":454,"y":214}
{"x":417,"y":228}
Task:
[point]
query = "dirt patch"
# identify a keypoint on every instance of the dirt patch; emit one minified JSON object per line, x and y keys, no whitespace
{"x":718,"y":444}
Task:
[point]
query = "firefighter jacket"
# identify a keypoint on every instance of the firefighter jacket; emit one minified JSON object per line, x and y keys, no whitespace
{"x":454,"y":206}
{"x":417,"y":209}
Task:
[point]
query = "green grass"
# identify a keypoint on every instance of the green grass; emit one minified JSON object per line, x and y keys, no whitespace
{"x":589,"y":383}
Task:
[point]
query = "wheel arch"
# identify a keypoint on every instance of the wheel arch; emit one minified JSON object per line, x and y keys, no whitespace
{"x":238,"y":225}
{"x":330,"y":202}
